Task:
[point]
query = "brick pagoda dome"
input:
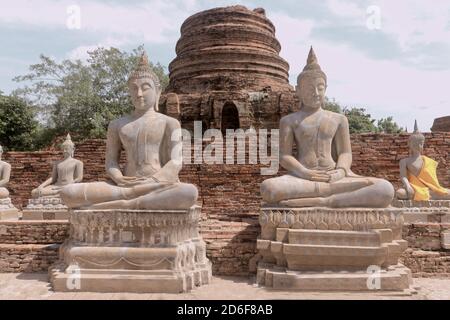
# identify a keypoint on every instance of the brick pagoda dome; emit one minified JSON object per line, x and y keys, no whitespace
{"x":228,"y":72}
{"x":229,"y":47}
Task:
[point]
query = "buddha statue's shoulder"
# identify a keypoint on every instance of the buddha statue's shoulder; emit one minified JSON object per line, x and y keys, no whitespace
{"x":295,"y":117}
{"x":4,"y":164}
{"x":290,"y":119}
{"x":172,"y":123}
{"x":335,"y":116}
{"x":119,"y":122}
{"x":77,"y":161}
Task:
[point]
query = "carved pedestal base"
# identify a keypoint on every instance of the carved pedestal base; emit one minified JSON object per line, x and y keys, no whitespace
{"x":321,"y":249}
{"x":7,"y":210}
{"x":45,"y":208}
{"x":132,"y":251}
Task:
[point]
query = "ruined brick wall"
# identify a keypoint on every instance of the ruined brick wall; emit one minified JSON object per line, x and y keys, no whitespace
{"x":229,"y":194}
{"x":425,"y":255}
{"x":33,"y":232}
{"x":30,"y":246}
{"x":27,"y":257}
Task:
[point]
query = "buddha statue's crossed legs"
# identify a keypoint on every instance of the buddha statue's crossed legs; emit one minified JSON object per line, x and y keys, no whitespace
{"x":292,"y":191}
{"x":102,"y":195}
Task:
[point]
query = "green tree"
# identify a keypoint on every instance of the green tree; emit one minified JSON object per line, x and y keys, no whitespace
{"x":388,"y":125}
{"x":359,"y":121}
{"x":82,"y":97}
{"x":18,"y":128}
{"x":332,"y":105}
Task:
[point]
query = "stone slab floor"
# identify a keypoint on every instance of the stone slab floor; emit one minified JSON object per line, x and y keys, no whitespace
{"x":35,"y":286}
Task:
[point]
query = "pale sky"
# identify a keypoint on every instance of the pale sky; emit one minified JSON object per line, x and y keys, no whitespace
{"x":401,"y":68}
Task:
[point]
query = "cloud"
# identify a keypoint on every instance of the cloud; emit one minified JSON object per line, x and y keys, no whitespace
{"x":81,"y":52}
{"x":156,"y":21}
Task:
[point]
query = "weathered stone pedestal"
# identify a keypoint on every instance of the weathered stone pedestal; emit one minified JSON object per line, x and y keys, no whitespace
{"x":322,"y":249}
{"x":432,"y":212}
{"x":132,"y":251}
{"x":46,"y":208}
{"x":7,"y":210}
{"x":424,"y":211}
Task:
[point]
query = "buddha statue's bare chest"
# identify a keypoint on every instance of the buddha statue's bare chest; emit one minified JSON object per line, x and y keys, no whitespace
{"x":66,"y":170}
{"x":414,"y":165}
{"x":315,"y":129}
{"x":143,"y":132}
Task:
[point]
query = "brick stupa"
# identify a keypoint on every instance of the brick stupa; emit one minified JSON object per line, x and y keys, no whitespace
{"x":228,"y":72}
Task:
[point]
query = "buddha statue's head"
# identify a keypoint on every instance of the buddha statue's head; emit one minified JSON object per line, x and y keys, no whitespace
{"x":144,"y":86}
{"x":416,"y":141}
{"x":68,"y":148}
{"x":311,"y":84}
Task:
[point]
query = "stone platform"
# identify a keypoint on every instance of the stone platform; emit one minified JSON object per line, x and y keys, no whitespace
{"x":424,"y":211}
{"x":45,"y":208}
{"x":132,"y":251}
{"x":326,"y":249}
{"x":7,"y":210}
{"x":433,"y":211}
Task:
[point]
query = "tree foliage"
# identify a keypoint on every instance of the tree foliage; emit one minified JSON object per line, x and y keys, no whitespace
{"x":360,"y":121}
{"x":388,"y":125}
{"x":82,"y":97}
{"x":18,"y":128}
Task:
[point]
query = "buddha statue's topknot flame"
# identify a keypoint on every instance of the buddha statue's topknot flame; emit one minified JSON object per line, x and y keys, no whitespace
{"x":144,"y":71}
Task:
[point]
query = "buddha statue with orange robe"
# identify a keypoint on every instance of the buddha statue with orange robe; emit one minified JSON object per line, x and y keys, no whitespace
{"x":418,"y":173}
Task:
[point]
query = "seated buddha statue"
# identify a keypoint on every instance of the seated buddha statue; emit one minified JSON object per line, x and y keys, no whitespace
{"x":418,"y":173}
{"x":5,"y":173}
{"x":153,"y":147}
{"x":319,"y":175}
{"x":66,"y":171}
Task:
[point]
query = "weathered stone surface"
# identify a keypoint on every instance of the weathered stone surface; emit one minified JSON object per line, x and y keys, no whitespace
{"x":331,"y":249}
{"x":46,"y":208}
{"x":133,"y":251}
{"x":424,"y":211}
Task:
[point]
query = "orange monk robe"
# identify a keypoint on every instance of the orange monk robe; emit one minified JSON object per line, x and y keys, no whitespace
{"x":426,"y":180}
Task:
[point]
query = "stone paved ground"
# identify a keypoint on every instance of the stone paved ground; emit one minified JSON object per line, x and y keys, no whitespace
{"x":35,"y":286}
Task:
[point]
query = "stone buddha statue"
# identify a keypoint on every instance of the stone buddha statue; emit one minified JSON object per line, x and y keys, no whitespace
{"x":320,"y":175}
{"x":64,"y":172}
{"x":153,"y":148}
{"x":418,"y":173}
{"x":5,"y":173}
